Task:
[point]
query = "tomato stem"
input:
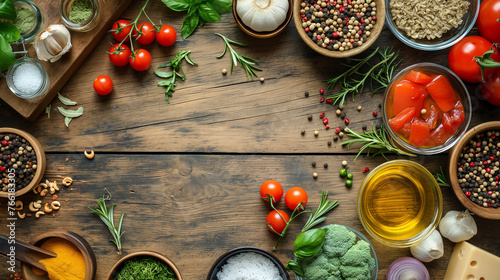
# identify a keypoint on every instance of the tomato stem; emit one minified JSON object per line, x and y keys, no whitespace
{"x":486,"y":61}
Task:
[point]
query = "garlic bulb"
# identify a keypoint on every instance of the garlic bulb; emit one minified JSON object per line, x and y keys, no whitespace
{"x":428,"y":249}
{"x":52,"y":43}
{"x":262,"y":15}
{"x":458,"y":226}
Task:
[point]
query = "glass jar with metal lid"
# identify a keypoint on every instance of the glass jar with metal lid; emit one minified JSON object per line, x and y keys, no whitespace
{"x":29,"y":19}
{"x":80,"y":15}
{"x":27,"y":78}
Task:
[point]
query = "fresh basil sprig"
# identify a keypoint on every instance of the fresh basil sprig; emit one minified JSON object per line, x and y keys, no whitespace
{"x":198,"y":12}
{"x":8,"y":33}
{"x":309,"y":243}
{"x":295,"y":267}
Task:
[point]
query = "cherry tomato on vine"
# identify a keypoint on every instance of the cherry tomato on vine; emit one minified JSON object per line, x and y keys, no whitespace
{"x":490,"y":89}
{"x":166,"y":36}
{"x":103,"y":85}
{"x":123,"y":33}
{"x":141,"y":61}
{"x":148,"y":33}
{"x":294,"y":197}
{"x":119,"y":54}
{"x":489,"y":27}
{"x":461,"y":58}
{"x":272,"y":188}
{"x":274,"y":220}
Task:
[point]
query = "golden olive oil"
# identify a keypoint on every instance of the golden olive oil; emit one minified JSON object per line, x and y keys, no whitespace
{"x":398,"y":203}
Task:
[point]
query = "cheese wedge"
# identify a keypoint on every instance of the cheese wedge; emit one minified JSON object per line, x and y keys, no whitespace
{"x":469,"y":262}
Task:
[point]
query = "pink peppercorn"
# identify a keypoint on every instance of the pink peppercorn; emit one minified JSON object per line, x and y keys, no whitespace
{"x":325,"y":120}
{"x":329,"y":101}
{"x":327,"y":126}
{"x":322,"y":99}
{"x":467,"y":193}
{"x":322,"y":115}
{"x":472,"y":164}
{"x":321,"y":91}
{"x":366,"y":169}
{"x":375,"y":113}
{"x":337,"y":130}
{"x":346,"y":121}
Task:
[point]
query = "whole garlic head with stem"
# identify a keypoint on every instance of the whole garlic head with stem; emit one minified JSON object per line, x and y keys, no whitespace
{"x":52,"y":43}
{"x":262,"y":15}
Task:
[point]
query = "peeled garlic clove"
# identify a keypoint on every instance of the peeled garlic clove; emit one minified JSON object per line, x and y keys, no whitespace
{"x":52,"y":43}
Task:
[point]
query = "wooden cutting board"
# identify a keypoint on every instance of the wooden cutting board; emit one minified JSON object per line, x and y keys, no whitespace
{"x":61,"y":70}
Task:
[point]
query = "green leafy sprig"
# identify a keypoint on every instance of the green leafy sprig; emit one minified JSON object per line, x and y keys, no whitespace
{"x":8,"y":33}
{"x":199,"y":12}
{"x":324,"y":207}
{"x":246,"y":62}
{"x":441,"y":178}
{"x":380,"y":141}
{"x":353,"y":80}
{"x":177,"y":73}
{"x":106,"y":215}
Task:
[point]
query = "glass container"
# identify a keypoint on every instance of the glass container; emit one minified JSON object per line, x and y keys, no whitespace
{"x":80,"y":21}
{"x":35,"y":29}
{"x":27,"y":78}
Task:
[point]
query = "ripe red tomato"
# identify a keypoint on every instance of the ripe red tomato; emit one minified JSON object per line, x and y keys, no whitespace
{"x":487,"y":23}
{"x":294,"y":197}
{"x":274,"y":220}
{"x":122,"y":35}
{"x":148,"y":33}
{"x":490,"y":89}
{"x":461,"y":58}
{"x":141,"y":61}
{"x":272,"y":188}
{"x":119,"y":54}
{"x":166,"y":36}
{"x":103,"y":85}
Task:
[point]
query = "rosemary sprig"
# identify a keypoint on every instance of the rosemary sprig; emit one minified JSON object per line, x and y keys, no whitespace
{"x":353,"y":80}
{"x":324,"y":207}
{"x":441,"y":178}
{"x":176,"y":74}
{"x":246,"y":62}
{"x":374,"y":140}
{"x":106,"y":216}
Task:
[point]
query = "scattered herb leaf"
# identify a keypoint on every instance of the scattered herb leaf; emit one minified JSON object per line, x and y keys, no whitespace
{"x":441,"y":178}
{"x":246,"y":62}
{"x":176,"y":74}
{"x":67,"y":120}
{"x":106,"y":215}
{"x":71,"y":113}
{"x":47,"y":110}
{"x":65,"y":100}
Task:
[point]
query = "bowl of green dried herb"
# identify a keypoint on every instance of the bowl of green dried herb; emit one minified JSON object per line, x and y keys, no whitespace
{"x":145,"y":265}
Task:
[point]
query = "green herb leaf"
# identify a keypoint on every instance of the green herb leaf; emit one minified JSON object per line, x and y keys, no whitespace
{"x":106,"y":216}
{"x":177,"y":5}
{"x":295,"y":267}
{"x":246,"y":62}
{"x":47,"y":110}
{"x":65,"y":100}
{"x":67,"y":120}
{"x":309,"y":243}
{"x":7,"y":10}
{"x":208,"y":13}
{"x":324,"y":207}
{"x":189,"y":24}
{"x":9,"y":31}
{"x":7,"y":57}
{"x":71,"y":113}
{"x":441,"y":178}
{"x":176,"y":74}
{"x":162,"y":74}
{"x":221,"y":6}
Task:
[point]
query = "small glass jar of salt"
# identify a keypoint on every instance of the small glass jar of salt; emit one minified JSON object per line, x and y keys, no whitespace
{"x":27,"y":78}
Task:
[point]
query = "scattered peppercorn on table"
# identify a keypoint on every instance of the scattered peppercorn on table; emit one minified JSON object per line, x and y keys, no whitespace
{"x":187,"y":173}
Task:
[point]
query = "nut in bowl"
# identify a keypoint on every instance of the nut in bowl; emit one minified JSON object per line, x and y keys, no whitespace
{"x":262,"y":18}
{"x":481,"y":196}
{"x":426,"y":108}
{"x":340,"y":28}
{"x":145,"y":265}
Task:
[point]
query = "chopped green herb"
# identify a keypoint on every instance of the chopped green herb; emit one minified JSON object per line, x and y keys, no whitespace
{"x":146,"y":268}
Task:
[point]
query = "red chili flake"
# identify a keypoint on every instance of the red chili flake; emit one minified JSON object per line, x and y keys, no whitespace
{"x":346,"y":121}
{"x":337,"y":130}
{"x":322,"y":115}
{"x":307,"y":29}
{"x":2,"y":169}
{"x":327,"y":126}
{"x":346,"y":19}
{"x":362,"y":20}
{"x":489,"y":204}
{"x":374,"y":18}
{"x":490,"y":192}
{"x":472,"y":164}
{"x":335,"y":34}
{"x":375,"y":113}
{"x":322,"y":99}
{"x":325,"y":120}
{"x":467,"y":193}
{"x":366,"y":169}
{"x":488,"y":170}
{"x":321,"y":91}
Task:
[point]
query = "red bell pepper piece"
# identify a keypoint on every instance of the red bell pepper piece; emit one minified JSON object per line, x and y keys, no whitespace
{"x":408,"y":94}
{"x":403,"y":117}
{"x":432,"y":116}
{"x":418,"y":77}
{"x":443,"y":93}
{"x":419,"y":132}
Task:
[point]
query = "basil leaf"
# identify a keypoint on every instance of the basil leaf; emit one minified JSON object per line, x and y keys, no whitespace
{"x":71,"y":113}
{"x":9,"y":31}
{"x":7,"y":10}
{"x":177,"y":5}
{"x":65,"y":100}
{"x":208,"y":13}
{"x":221,"y":6}
{"x":309,"y":243}
{"x":6,"y":55}
{"x":189,"y":25}
{"x":192,"y":10}
{"x":295,"y":267}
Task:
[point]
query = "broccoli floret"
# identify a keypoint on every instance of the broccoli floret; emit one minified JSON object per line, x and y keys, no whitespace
{"x":357,"y":263}
{"x":321,"y":268}
{"x":338,"y":240}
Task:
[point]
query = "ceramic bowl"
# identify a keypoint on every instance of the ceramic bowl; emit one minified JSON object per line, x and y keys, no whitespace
{"x":454,"y":155}
{"x":40,"y":155}
{"x":222,"y":260}
{"x":77,"y":240}
{"x":262,"y":35}
{"x":117,"y":267}
{"x":375,"y":32}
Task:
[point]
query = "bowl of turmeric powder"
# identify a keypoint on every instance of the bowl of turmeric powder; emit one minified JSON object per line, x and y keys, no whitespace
{"x":75,"y":258}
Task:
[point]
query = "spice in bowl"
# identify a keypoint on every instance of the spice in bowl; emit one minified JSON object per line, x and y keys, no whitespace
{"x":338,"y":25}
{"x":27,"y":78}
{"x":81,"y":10}
{"x":249,"y":265}
{"x":478,"y":169}
{"x":25,"y":19}
{"x":69,"y":263}
{"x":29,"y":19}
{"x":146,"y":268}
{"x":17,"y":157}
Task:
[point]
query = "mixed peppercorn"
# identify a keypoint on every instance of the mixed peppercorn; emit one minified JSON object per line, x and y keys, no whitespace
{"x":18,"y":154}
{"x":478,"y":169}
{"x":338,"y":25}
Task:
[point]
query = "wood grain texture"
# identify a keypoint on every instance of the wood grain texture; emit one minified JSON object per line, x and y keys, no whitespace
{"x":60,"y":71}
{"x":193,"y":208}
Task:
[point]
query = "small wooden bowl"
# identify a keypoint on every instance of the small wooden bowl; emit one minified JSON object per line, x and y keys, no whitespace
{"x":485,"y":212}
{"x":263,"y":35}
{"x":40,"y":156}
{"x":116,"y":268}
{"x":375,"y":32}
{"x":77,"y":240}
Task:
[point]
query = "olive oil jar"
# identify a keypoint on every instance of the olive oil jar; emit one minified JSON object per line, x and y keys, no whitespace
{"x":400,"y":203}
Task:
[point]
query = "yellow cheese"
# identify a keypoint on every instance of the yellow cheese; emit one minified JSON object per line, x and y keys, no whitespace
{"x":468,"y":262}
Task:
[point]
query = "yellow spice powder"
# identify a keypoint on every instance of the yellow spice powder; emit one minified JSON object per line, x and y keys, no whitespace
{"x":69,"y":263}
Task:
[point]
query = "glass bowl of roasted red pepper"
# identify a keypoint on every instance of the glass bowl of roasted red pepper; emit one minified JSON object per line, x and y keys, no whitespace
{"x":427,"y":108}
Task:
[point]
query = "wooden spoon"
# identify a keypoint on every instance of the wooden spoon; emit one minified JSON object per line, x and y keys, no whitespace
{"x":25,"y":252}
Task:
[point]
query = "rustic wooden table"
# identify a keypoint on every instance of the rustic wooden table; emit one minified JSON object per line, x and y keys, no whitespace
{"x":187,"y":174}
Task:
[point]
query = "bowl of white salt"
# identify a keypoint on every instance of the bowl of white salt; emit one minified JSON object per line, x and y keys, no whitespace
{"x":27,"y":78}
{"x":248,"y":263}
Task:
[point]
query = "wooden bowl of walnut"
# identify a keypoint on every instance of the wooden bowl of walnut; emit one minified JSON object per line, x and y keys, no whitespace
{"x":344,"y":29}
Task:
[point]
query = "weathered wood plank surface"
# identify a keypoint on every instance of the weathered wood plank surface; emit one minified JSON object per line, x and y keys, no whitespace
{"x":193,"y":208}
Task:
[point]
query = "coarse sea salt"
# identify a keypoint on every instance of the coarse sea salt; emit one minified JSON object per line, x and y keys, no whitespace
{"x":27,"y":78}
{"x":249,"y":266}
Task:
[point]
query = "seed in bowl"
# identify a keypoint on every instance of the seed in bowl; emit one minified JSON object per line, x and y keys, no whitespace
{"x":17,"y":155}
{"x":478,"y":169}
{"x":338,"y":25}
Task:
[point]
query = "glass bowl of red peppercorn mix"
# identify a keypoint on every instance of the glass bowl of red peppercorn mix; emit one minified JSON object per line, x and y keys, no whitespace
{"x":426,"y":108}
{"x":22,"y":162}
{"x":431,"y":25}
{"x":474,"y":170}
{"x":339,"y":28}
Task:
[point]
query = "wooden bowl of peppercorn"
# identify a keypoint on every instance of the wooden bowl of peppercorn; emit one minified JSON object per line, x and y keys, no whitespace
{"x":474,"y":171}
{"x":29,"y":165}
{"x":341,"y":28}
